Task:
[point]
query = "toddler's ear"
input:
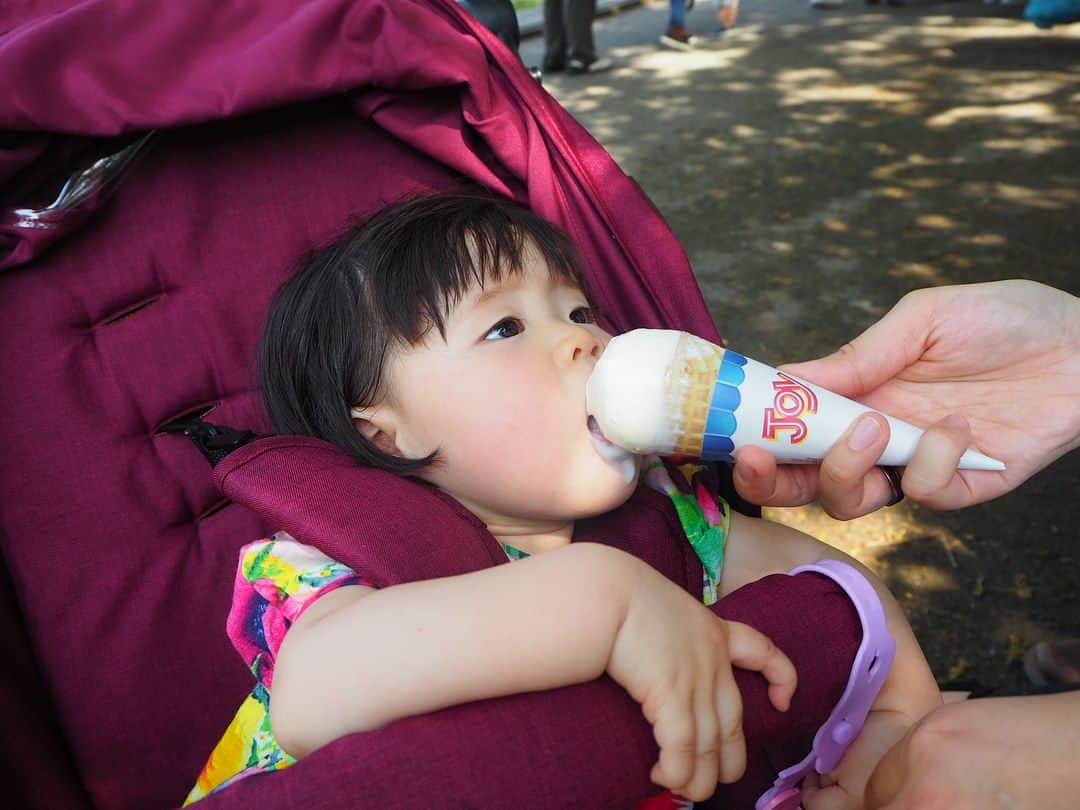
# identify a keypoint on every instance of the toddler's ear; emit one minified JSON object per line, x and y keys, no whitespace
{"x":377,"y":427}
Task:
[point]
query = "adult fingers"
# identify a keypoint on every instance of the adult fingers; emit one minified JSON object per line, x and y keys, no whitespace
{"x":847,"y":487}
{"x":760,"y":480}
{"x":931,"y":477}
{"x":750,"y":649}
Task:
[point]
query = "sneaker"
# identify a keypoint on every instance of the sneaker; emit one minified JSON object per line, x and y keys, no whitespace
{"x":1053,"y":662}
{"x":678,"y":38}
{"x":553,"y":66}
{"x":577,"y":66}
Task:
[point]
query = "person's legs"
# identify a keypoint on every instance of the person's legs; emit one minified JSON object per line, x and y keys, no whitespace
{"x":677,"y":36}
{"x":581,"y":48}
{"x":554,"y":36}
{"x":677,"y":14}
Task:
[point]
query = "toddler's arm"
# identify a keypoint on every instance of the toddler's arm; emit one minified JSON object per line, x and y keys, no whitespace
{"x":757,"y":548}
{"x":361,"y":658}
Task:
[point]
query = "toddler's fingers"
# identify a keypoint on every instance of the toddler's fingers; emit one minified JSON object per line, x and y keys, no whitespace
{"x":729,"y":710}
{"x":702,"y":782}
{"x":750,"y":649}
{"x":708,"y":737}
{"x":676,"y":734}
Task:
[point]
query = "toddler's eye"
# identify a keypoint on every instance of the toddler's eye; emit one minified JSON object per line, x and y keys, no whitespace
{"x":583,"y":315}
{"x":506,"y":328}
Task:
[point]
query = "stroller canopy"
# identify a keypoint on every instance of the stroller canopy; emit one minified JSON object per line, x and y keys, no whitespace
{"x":210,"y":145}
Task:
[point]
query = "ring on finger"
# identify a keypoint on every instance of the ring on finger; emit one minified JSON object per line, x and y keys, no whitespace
{"x":892,"y":478}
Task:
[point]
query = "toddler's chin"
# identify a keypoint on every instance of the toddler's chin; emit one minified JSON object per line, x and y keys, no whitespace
{"x":612,"y":487}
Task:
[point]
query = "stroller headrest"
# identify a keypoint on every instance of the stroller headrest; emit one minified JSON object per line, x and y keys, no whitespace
{"x":396,"y":529}
{"x":366,"y":518}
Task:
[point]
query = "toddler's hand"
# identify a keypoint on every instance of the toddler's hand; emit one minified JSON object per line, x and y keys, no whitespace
{"x":674,"y":657}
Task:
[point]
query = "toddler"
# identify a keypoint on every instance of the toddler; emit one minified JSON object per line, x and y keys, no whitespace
{"x":449,"y":339}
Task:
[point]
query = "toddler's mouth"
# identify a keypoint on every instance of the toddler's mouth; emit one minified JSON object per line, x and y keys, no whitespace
{"x":622,"y":460}
{"x":594,"y":429}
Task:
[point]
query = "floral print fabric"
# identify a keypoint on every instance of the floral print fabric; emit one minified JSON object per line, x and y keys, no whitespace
{"x":276,"y":580}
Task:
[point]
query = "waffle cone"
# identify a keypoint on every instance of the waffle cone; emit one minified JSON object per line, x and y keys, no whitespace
{"x":693,"y":377}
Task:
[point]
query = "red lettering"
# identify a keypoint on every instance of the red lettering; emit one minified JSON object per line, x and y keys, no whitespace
{"x":789,"y":385}
{"x":791,"y":401}
{"x":776,"y":422}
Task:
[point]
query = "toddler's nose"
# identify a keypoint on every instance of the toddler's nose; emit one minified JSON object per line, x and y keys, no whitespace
{"x":579,"y":345}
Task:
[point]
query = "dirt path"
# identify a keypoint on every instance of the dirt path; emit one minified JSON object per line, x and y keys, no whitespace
{"x":817,"y":165}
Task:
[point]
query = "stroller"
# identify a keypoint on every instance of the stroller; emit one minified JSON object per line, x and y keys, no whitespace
{"x":161,"y":168}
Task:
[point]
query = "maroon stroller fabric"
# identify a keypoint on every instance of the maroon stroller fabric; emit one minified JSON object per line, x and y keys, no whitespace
{"x":136,"y":297}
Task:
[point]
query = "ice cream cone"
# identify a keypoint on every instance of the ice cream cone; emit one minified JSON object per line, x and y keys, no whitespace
{"x":662,"y":391}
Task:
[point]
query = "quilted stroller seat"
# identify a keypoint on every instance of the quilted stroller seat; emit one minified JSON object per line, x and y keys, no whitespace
{"x":221,"y":144}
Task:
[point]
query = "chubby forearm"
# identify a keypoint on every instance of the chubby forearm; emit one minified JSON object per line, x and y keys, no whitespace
{"x":540,"y":623}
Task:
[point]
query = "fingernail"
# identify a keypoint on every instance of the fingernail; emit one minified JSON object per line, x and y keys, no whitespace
{"x":865,"y":434}
{"x":956,"y":421}
{"x":746,"y":475}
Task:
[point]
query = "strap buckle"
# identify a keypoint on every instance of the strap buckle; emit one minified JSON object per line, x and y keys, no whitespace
{"x":214,"y":441}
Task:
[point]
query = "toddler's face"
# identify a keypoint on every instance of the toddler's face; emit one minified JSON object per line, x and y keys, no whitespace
{"x":502,"y":399}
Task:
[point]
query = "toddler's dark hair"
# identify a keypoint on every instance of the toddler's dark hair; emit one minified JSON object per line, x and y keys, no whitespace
{"x":386,"y":282}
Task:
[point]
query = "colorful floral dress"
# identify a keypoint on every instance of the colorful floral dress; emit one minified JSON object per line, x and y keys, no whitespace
{"x":278,"y":578}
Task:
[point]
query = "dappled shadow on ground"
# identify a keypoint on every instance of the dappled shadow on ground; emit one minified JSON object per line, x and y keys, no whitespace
{"x":818,"y":165}
{"x":979,"y":586}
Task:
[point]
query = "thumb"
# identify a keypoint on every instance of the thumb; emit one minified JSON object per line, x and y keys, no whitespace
{"x":888,"y":778}
{"x":874,"y":357}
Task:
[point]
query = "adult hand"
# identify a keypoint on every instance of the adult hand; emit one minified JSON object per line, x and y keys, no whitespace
{"x":985,"y":754}
{"x":996,"y":366}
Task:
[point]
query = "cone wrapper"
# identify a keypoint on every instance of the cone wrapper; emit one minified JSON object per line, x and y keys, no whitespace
{"x":667,"y":392}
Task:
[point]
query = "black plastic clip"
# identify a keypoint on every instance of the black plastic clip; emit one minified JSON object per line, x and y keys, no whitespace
{"x":214,"y":441}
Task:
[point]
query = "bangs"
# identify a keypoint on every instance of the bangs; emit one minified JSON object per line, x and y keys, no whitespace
{"x":334,"y":323}
{"x":425,"y":255}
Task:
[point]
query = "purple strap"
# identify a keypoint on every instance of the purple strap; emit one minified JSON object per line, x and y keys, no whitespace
{"x":868,"y":673}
